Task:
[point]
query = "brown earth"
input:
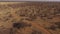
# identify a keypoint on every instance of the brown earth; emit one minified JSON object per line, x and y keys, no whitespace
{"x":29,"y":18}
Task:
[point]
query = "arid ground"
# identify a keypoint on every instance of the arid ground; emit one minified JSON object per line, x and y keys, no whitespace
{"x":29,"y":17}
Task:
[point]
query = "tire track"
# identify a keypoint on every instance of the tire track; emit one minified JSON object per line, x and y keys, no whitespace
{"x":34,"y":24}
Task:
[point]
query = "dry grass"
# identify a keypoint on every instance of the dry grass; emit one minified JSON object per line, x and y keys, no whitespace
{"x":40,"y":15}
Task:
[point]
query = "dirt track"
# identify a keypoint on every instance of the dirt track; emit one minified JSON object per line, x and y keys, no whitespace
{"x":41,"y":15}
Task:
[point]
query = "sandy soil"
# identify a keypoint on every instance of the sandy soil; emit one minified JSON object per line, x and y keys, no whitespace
{"x":30,"y":17}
